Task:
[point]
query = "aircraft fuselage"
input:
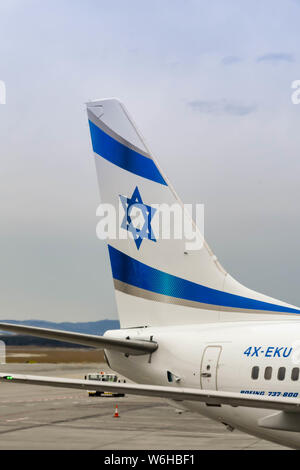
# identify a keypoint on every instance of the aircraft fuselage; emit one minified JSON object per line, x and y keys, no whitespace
{"x":250,"y":358}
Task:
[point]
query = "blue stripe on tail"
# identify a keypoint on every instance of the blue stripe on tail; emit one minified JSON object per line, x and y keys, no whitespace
{"x":135,"y":273}
{"x":122,"y":156}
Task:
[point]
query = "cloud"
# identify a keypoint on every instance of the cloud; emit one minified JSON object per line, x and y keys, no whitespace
{"x":275,"y":57}
{"x":220,"y":107}
{"x":230,"y":60}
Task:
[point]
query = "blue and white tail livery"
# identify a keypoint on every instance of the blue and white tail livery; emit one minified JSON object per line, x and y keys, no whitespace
{"x":197,"y":349}
{"x":157,"y":283}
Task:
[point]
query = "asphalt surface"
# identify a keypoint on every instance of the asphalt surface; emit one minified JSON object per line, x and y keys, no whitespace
{"x":36,"y":417}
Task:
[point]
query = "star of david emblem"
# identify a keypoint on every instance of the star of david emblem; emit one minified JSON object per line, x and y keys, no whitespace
{"x":135,"y":203}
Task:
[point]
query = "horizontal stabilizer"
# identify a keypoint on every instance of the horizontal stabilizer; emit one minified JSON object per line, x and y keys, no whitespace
{"x":127,"y":346}
{"x":282,"y":421}
{"x":210,"y":397}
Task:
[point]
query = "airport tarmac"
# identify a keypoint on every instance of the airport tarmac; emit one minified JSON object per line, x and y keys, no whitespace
{"x":36,"y":417}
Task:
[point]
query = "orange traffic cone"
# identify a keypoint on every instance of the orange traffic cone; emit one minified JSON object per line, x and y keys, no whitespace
{"x":116,"y":415}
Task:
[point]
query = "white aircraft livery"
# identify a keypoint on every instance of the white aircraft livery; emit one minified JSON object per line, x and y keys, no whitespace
{"x":189,"y":332}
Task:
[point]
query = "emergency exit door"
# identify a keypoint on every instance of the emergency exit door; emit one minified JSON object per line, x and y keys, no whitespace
{"x":209,"y":368}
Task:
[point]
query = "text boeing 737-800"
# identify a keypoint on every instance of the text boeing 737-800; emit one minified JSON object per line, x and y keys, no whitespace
{"x":189,"y":331}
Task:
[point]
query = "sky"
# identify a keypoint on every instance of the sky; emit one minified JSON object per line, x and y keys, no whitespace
{"x":209,"y":85}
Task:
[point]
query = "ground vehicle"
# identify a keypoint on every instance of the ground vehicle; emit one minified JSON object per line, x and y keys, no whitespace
{"x":103,"y":377}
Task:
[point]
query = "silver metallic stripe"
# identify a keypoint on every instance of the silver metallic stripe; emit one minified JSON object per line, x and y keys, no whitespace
{"x":145,"y":294}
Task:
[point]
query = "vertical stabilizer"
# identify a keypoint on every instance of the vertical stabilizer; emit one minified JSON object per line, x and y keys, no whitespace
{"x":158,"y":281}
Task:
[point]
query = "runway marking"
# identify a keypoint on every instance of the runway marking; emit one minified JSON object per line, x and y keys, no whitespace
{"x":17,"y":419}
{"x":42,"y":399}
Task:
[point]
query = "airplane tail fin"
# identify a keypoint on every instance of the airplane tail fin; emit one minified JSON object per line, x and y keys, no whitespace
{"x":159,"y":280}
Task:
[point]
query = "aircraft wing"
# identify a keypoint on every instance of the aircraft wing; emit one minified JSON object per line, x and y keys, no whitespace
{"x":210,"y":397}
{"x":127,"y":346}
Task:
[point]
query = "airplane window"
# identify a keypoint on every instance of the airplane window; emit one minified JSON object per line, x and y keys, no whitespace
{"x":255,"y":372}
{"x":295,"y":373}
{"x":268,"y":373}
{"x":281,"y":373}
